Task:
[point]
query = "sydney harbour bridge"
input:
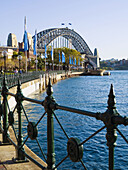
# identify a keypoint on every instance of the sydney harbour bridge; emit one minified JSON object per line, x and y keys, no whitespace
{"x":65,"y":37}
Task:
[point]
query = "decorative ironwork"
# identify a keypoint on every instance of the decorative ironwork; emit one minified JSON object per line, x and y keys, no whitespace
{"x":75,"y":151}
{"x":5,"y":111}
{"x":111,"y":119}
{"x":11,"y":118}
{"x":32,"y":130}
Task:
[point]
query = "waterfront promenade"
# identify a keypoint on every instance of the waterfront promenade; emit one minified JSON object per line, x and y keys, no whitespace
{"x":8,"y":152}
{"x":82,"y":87}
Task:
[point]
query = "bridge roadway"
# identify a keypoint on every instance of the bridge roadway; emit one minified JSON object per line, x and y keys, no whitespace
{"x":8,"y":152}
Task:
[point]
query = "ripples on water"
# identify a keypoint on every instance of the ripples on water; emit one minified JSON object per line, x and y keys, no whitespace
{"x":91,"y":94}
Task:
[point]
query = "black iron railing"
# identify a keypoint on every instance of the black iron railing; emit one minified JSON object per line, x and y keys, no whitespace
{"x":111,"y":119}
{"x":12,"y":79}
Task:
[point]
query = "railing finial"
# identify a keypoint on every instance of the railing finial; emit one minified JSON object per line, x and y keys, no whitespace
{"x":111,"y":98}
{"x":49,"y":88}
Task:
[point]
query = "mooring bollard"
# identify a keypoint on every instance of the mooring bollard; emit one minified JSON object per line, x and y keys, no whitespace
{"x":44,"y":83}
{"x":40,"y":83}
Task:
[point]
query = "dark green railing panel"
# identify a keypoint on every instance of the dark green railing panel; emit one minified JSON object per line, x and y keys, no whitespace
{"x":111,"y":119}
{"x":19,"y":100}
{"x":50,"y":127}
{"x":5,"y":111}
{"x":12,"y":78}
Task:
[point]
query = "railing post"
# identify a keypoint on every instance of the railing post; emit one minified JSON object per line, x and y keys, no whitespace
{"x":111,"y":135}
{"x":19,"y":95}
{"x":50,"y":127}
{"x":0,"y":110}
{"x":5,"y":112}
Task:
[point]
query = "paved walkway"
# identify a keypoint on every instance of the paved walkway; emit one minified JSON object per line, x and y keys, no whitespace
{"x":7,"y":152}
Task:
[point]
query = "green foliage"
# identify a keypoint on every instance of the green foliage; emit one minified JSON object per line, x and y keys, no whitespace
{"x":68,"y":52}
{"x":14,"y":62}
{"x":21,"y":53}
{"x":40,"y":63}
{"x":15,"y":54}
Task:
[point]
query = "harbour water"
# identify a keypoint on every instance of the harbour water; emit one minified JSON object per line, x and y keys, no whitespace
{"x":87,"y":93}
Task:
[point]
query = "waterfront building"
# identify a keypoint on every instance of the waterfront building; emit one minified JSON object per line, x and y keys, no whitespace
{"x":96,"y":53}
{"x":12,"y":40}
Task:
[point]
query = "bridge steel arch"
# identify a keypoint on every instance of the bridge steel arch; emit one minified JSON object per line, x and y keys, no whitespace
{"x":49,"y":35}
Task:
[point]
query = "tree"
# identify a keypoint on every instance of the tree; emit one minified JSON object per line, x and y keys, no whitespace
{"x":68,"y":52}
{"x":15,"y":54}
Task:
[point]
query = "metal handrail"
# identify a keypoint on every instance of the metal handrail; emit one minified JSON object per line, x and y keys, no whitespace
{"x":12,"y":78}
{"x":111,"y":119}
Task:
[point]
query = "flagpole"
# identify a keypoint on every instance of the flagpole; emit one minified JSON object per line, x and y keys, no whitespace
{"x":59,"y":60}
{"x":45,"y":63}
{"x":24,"y":23}
{"x":45,"y":53}
{"x":24,"y":44}
{"x":26,"y":60}
{"x":53,"y":65}
{"x":52,"y":58}
{"x":36,"y":49}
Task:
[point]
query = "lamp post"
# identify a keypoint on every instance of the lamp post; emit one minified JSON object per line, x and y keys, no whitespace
{"x":4,"y":54}
{"x":36,"y":61}
{"x":29,"y":60}
{"x":19,"y":58}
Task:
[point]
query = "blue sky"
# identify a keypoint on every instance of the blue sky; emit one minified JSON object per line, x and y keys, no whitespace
{"x":102,"y":23}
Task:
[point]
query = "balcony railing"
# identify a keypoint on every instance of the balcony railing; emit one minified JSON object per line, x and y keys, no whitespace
{"x":111,"y":119}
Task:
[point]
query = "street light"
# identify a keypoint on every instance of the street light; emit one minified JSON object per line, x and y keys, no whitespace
{"x":36,"y":61}
{"x":4,"y":54}
{"x":29,"y":60}
{"x":19,"y":58}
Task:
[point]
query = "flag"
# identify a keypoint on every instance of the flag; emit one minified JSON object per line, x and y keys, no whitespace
{"x":45,"y":51}
{"x":52,"y":53}
{"x":25,"y":36}
{"x":59,"y":58}
{"x":78,"y":61}
{"x":63,"y":57}
{"x":62,"y":24}
{"x":69,"y":23}
{"x":34,"y":45}
{"x":25,"y":41}
{"x":70,"y":62}
{"x":75,"y":61}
